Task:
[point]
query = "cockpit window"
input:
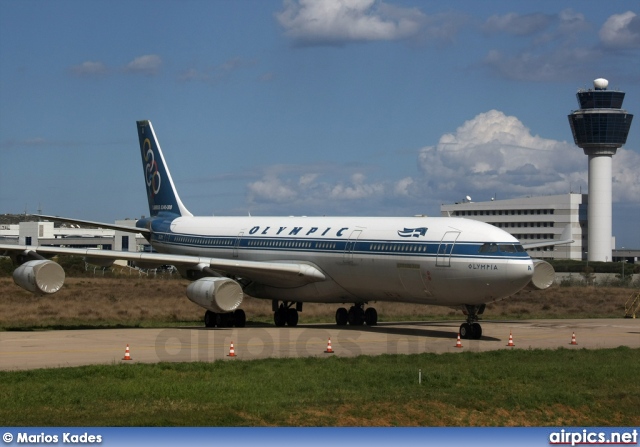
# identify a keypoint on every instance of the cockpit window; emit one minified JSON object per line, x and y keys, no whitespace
{"x":492,"y":247}
{"x":489,"y":248}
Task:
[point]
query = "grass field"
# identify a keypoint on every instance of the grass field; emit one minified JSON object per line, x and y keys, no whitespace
{"x":125,"y":301}
{"x":500,"y":388}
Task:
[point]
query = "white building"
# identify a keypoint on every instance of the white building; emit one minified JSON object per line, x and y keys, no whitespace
{"x":45,"y":233}
{"x":534,"y":219}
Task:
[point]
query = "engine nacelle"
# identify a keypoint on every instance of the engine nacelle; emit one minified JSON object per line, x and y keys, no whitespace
{"x":543,"y":275}
{"x":216,"y":294}
{"x":39,"y":277}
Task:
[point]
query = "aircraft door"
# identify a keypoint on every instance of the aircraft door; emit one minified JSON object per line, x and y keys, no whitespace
{"x":443,"y":258}
{"x":237,"y":244}
{"x":350,"y":247}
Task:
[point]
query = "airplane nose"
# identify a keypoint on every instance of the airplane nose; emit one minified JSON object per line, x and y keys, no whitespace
{"x":520,"y":272}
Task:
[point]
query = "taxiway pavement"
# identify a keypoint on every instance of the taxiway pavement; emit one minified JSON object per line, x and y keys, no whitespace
{"x":60,"y":348}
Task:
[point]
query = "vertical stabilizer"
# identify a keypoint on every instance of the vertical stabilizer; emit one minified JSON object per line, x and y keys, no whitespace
{"x":161,"y":192}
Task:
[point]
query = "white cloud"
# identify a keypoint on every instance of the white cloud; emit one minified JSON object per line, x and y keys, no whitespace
{"x":552,"y":47}
{"x":271,"y":189}
{"x":311,"y":22}
{"x":621,"y":31}
{"x":516,"y":24}
{"x":215,"y":73}
{"x":357,"y":189}
{"x":626,"y":181}
{"x":307,"y":179}
{"x":491,"y":154}
{"x":403,"y":186}
{"x":148,"y":65}
{"x":89,"y":68}
{"x":496,"y":153}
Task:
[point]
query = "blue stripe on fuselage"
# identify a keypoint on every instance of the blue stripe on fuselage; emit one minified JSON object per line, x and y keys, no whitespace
{"x":325,"y":245}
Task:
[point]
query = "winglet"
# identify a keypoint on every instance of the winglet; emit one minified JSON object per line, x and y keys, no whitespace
{"x":161,"y":192}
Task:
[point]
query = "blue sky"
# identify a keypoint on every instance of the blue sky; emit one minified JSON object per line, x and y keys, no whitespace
{"x":352,"y":107}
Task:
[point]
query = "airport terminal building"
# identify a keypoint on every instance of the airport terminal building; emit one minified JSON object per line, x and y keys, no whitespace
{"x":73,"y":236}
{"x":540,"y":219}
{"x":533,"y":220}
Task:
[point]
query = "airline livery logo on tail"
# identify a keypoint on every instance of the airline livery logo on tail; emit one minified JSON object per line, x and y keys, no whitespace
{"x":153,"y":178}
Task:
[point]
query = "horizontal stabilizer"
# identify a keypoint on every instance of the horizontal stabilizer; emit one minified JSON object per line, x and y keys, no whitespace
{"x":565,"y":238}
{"x":90,"y":223}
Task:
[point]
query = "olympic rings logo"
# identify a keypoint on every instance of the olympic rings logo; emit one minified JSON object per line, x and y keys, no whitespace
{"x":151,"y":173}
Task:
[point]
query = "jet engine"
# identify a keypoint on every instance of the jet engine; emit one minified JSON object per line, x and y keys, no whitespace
{"x":40,"y":276}
{"x":217,"y":294}
{"x":543,"y":275}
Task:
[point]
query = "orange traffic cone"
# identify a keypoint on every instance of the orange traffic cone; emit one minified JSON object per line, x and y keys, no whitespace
{"x":573,"y":339}
{"x":458,"y":343}
{"x":329,"y":350}
{"x":232,"y":352}
{"x":510,"y":340}
{"x":127,"y":354}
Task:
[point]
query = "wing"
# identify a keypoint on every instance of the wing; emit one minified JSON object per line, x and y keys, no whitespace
{"x":565,"y":238}
{"x":277,"y":274}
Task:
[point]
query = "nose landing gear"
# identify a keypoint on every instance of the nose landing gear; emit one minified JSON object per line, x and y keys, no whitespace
{"x":472,"y":329}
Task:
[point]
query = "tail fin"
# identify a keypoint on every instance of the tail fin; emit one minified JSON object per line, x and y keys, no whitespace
{"x":161,"y":192}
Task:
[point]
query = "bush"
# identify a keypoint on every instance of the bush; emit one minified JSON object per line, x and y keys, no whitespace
{"x":572,"y":266}
{"x":6,"y":266}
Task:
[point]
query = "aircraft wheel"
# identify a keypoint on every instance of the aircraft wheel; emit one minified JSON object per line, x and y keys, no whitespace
{"x":224,"y":320}
{"x":356,"y":316}
{"x":465,"y":330}
{"x":292,"y":317}
{"x":210,"y":319}
{"x":239,"y":318}
{"x":371,"y":316}
{"x":342,"y":316}
{"x":280,"y":317}
{"x":476,"y":331}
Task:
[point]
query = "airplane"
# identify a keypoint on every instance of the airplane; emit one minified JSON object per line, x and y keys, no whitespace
{"x":445,"y":261}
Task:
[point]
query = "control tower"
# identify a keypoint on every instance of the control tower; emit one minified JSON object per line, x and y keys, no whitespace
{"x":600,"y":127}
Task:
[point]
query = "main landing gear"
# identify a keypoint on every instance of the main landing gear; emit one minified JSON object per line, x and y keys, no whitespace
{"x":472,"y":329}
{"x":285,"y":313}
{"x":357,"y":316}
{"x":236,"y":318}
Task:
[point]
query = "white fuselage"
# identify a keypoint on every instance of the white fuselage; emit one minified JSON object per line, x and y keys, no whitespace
{"x":442,"y":261}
